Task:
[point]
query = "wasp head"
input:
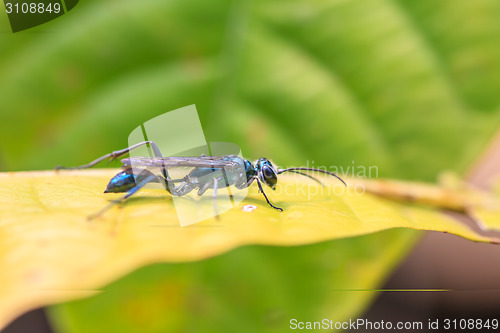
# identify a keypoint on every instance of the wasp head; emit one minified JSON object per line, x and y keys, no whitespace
{"x":266,"y":172}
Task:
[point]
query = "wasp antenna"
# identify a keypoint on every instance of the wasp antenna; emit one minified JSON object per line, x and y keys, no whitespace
{"x":308,"y":176}
{"x":311,"y":169}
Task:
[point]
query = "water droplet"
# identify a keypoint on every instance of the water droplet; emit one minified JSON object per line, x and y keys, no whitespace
{"x":248,"y":208}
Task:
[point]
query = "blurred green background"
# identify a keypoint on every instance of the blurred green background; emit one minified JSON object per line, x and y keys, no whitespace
{"x":408,"y":86}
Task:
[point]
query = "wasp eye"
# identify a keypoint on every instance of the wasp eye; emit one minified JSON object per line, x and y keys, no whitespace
{"x":268,"y":173}
{"x":270,"y":177}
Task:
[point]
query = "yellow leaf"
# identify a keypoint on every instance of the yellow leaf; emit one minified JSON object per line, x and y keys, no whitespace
{"x":481,"y":206}
{"x":488,"y":219}
{"x":488,"y":215}
{"x":50,"y":252}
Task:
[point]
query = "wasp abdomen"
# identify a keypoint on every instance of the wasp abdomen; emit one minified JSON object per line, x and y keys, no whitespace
{"x":122,"y":182}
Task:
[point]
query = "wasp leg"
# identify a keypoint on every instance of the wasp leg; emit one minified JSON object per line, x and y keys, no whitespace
{"x":215,"y":185}
{"x":131,"y":192}
{"x":182,"y":189}
{"x":214,"y":197}
{"x":226,"y":182}
{"x":265,"y":196}
{"x":246,"y":184}
{"x":116,"y":154}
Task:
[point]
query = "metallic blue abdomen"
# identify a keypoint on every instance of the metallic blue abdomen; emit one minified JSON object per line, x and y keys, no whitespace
{"x":122,"y":182}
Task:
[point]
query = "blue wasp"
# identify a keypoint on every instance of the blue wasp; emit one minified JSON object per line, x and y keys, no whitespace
{"x":209,"y":172}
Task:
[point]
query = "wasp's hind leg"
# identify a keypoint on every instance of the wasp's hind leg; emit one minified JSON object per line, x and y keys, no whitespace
{"x":130,"y":192}
{"x":116,"y":154}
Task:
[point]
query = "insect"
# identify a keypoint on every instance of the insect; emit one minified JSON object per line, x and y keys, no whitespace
{"x":208,"y":172}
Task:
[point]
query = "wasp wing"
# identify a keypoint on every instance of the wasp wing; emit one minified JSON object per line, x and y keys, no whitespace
{"x":177,"y":161}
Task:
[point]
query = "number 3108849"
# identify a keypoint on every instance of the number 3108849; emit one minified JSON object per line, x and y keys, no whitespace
{"x":32,"y":8}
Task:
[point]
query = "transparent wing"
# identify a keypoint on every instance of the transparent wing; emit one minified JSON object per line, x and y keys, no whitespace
{"x":195,"y":161}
